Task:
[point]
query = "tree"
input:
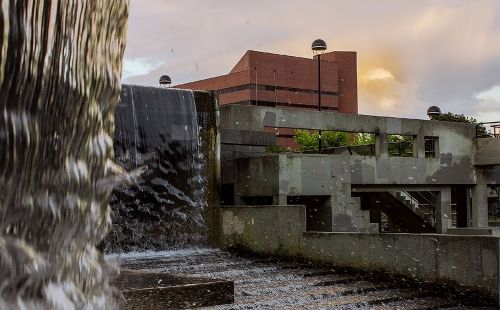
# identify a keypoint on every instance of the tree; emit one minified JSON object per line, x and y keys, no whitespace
{"x":460,"y":118}
{"x":365,"y":139}
{"x":308,"y":139}
{"x":400,"y":145}
{"x":275,"y":149}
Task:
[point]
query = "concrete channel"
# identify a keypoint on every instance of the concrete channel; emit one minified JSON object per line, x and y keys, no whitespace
{"x":270,"y":283}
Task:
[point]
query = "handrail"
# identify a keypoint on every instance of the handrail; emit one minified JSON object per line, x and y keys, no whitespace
{"x":422,"y":196}
{"x":495,"y":125}
{"x":427,"y":208}
{"x":352,"y":149}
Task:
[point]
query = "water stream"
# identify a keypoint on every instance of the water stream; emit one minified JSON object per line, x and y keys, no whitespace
{"x":158,"y":128}
{"x":60,"y":68}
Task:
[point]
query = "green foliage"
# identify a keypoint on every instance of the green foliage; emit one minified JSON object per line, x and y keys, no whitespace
{"x":399,"y":138}
{"x":308,"y":139}
{"x":365,"y":138}
{"x":400,"y":145}
{"x":460,"y":118}
{"x":275,"y":149}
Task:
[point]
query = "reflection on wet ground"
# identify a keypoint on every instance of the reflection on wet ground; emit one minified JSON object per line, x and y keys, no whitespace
{"x":263,"y":283}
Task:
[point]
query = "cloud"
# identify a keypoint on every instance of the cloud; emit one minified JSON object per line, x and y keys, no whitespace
{"x":492,"y":94}
{"x":428,"y":52}
{"x":138,"y":66}
{"x":487,"y":105}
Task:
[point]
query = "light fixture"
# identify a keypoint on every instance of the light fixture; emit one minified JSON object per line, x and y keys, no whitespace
{"x":165,"y":81}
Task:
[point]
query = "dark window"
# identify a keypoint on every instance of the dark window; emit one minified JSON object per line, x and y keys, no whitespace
{"x":430,"y":147}
{"x":273,"y":88}
{"x":233,"y":89}
{"x":283,"y":104}
{"x":227,"y":194}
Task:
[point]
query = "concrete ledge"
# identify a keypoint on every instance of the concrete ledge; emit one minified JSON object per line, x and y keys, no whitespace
{"x":247,"y":137}
{"x":150,"y":290}
{"x":463,"y":262}
{"x":260,"y":206}
{"x":471,"y":231}
{"x":256,"y":118}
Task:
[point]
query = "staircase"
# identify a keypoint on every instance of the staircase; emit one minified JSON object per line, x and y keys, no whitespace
{"x":405,"y":211}
{"x":401,"y":211}
{"x":418,"y":203}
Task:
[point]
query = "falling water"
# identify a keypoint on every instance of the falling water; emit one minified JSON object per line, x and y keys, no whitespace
{"x":158,"y":128}
{"x":60,"y":67}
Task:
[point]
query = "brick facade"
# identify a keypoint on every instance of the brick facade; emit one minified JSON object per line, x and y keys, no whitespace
{"x":267,"y":79}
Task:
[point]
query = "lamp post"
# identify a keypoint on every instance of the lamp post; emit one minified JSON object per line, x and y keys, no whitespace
{"x":319,"y":47}
{"x":165,"y":81}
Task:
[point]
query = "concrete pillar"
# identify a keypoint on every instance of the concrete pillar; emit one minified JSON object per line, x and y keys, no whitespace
{"x":280,"y":200}
{"x":381,"y":145}
{"x":419,"y":146}
{"x":238,"y":201}
{"x":443,"y":211}
{"x":479,"y":205}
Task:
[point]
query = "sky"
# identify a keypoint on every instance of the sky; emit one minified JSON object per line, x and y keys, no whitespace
{"x":411,"y":54}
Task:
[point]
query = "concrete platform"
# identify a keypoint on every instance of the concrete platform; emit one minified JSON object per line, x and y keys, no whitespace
{"x":154,"y":290}
{"x":273,"y":283}
{"x":467,"y":263}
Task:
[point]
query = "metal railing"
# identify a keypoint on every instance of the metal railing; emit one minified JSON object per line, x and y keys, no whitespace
{"x":361,"y":150}
{"x":401,"y":149}
{"x":494,"y":127}
{"x":424,"y":205}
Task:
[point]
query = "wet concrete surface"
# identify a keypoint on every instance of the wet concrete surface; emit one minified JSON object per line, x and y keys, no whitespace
{"x":270,"y":283}
{"x":141,"y":289}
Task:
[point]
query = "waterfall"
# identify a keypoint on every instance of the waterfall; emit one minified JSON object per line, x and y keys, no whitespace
{"x":158,"y":128}
{"x":60,"y":68}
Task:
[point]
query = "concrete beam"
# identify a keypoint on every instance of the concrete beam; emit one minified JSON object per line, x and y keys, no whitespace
{"x":394,"y":188}
{"x":256,"y":118}
{"x":247,"y":137}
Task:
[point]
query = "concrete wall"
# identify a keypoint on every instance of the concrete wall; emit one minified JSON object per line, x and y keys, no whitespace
{"x":455,"y":138}
{"x":264,"y":229}
{"x":301,"y":174}
{"x":258,"y":176}
{"x":487,"y":151}
{"x":241,"y":144}
{"x":322,"y":174}
{"x":336,"y":176}
{"x":465,"y":262}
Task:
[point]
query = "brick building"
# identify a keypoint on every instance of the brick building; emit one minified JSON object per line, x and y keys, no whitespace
{"x":267,"y":79}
